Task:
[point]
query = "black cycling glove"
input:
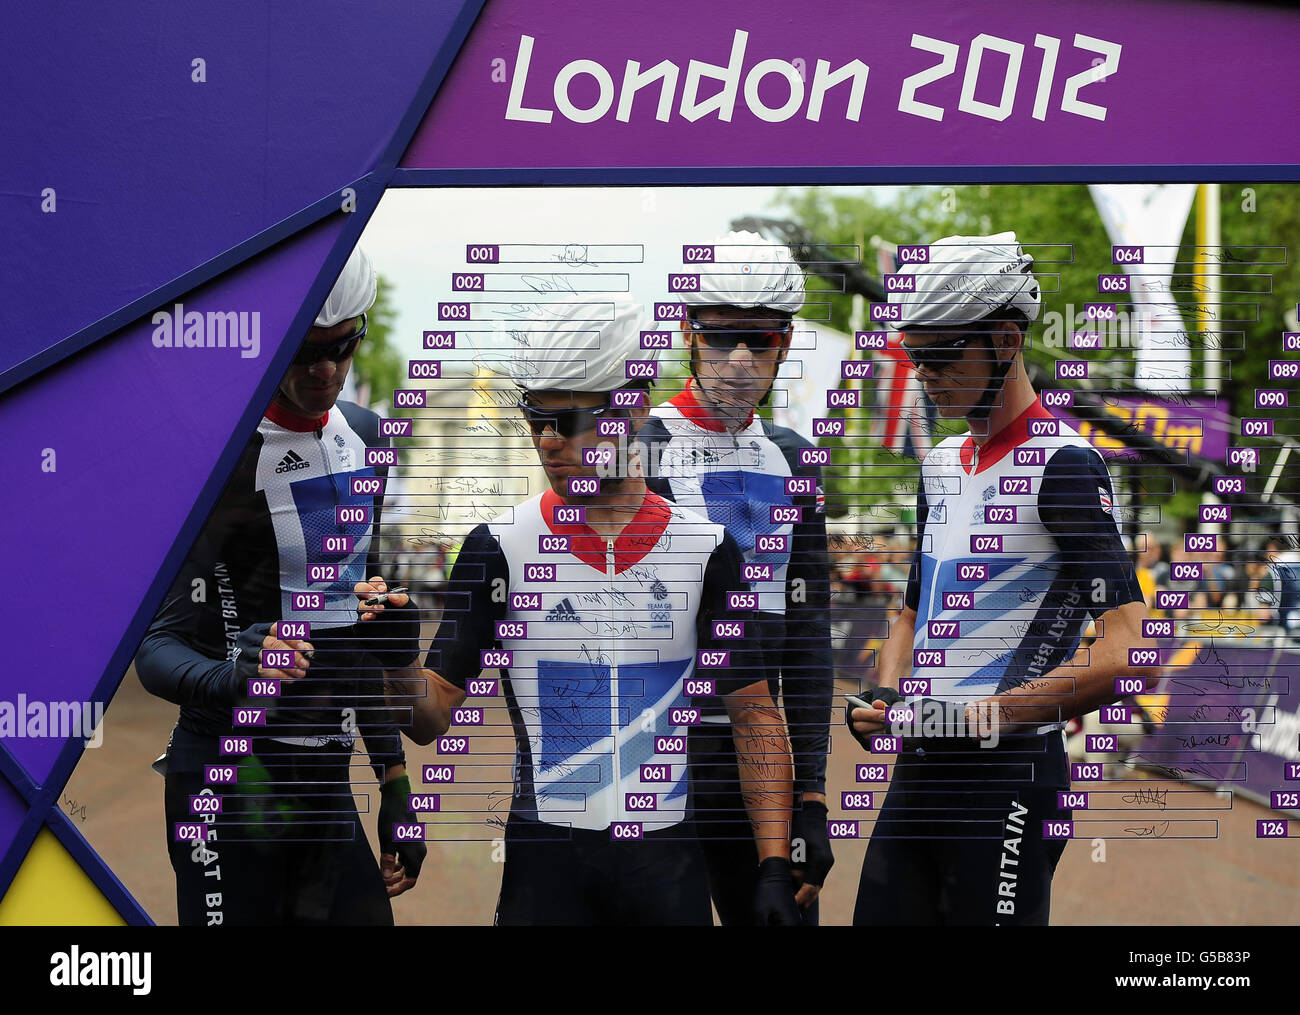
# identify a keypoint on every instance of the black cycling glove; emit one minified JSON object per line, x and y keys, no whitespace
{"x":393,"y":637}
{"x":395,"y":808}
{"x":774,"y":904}
{"x":888,"y":695}
{"x":809,"y":825}
{"x":247,"y":658}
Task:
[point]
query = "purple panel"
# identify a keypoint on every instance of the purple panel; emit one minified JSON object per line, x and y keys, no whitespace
{"x":1208,"y":737}
{"x":154,"y":173}
{"x":1186,"y":422}
{"x":1163,"y":107}
{"x":136,"y":432}
{"x":12,"y":811}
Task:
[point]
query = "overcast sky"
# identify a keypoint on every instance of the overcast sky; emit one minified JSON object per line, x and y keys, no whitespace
{"x":418,"y":237}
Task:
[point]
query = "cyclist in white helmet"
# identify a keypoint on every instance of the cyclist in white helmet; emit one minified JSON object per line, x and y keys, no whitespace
{"x":715,"y":455}
{"x":287,"y":846}
{"x":1017,"y":550}
{"x":608,"y":603}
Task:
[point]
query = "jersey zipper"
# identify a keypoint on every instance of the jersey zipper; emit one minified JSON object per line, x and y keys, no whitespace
{"x":325,"y":460}
{"x":616,"y":726}
{"x":334,"y":485}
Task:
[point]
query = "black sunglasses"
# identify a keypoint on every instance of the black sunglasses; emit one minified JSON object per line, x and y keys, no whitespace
{"x":728,"y":337}
{"x":313,"y":352}
{"x":939,"y":356}
{"x":566,"y":422}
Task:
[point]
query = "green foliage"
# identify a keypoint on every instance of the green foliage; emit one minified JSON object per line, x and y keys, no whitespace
{"x":674,"y":370}
{"x":1065,"y":217}
{"x":1264,"y":214}
{"x":378,"y":367}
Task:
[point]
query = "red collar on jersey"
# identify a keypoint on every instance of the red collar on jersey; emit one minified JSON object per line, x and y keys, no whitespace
{"x":688,"y":404}
{"x":1010,"y":436}
{"x":636,"y":540}
{"x":291,"y":420}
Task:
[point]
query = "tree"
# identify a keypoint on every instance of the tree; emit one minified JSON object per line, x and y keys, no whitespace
{"x":1071,"y":248}
{"x":378,"y":367}
{"x":1251,"y":217}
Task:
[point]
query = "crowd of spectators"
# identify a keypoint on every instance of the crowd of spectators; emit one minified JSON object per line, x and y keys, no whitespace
{"x":1255,"y":588}
{"x":1247,"y":590}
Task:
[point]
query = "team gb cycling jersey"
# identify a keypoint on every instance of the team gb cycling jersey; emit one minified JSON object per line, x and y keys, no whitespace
{"x":598,"y":641}
{"x":1017,"y":546}
{"x":288,"y":538}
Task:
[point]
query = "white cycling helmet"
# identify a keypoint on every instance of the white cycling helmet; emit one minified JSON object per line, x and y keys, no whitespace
{"x":967,"y":279}
{"x":354,"y":292}
{"x":581,"y":343}
{"x":749,"y":272}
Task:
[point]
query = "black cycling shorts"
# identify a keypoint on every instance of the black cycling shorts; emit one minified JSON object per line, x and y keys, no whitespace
{"x":287,"y":848}
{"x":959,"y":837}
{"x":555,"y":876}
{"x":722,"y":825}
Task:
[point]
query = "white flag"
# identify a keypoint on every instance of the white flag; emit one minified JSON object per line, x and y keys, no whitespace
{"x":1153,"y":216}
{"x":808,"y":373}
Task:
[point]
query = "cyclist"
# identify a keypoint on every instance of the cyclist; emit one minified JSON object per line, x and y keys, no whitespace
{"x":619,"y":606}
{"x":287,"y":846}
{"x":1017,"y":548}
{"x":715,"y":455}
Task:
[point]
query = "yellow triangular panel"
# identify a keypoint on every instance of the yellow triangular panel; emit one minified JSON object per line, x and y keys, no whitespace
{"x":51,"y":889}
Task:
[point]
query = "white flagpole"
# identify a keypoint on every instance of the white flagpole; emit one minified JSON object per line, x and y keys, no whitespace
{"x":1209,"y":238}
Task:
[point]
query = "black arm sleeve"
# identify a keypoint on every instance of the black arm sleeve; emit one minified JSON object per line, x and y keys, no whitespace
{"x":475,"y":601}
{"x":807,"y":663}
{"x":168,"y":665}
{"x":912,"y":598}
{"x":1075,"y":504}
{"x":746,"y":664}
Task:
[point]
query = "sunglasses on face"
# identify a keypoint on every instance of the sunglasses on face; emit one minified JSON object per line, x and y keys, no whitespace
{"x":313,"y":352}
{"x":939,"y":356}
{"x":566,"y":422}
{"x":728,"y":337}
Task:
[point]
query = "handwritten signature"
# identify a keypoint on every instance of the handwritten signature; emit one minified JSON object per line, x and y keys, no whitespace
{"x":575,"y":254}
{"x":1157,"y":797}
{"x":75,"y":808}
{"x":548,"y":283}
{"x":1154,"y":831}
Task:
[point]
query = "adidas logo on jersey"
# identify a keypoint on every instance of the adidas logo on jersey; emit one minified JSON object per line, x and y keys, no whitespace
{"x":564,"y":613}
{"x":292,"y":461}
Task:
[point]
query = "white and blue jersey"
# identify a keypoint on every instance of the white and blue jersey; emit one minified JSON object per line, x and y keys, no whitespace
{"x":288,"y":539}
{"x":603,"y":639}
{"x":1017,"y":548}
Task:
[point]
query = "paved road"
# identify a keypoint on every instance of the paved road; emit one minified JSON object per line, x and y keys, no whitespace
{"x":1227,"y":878}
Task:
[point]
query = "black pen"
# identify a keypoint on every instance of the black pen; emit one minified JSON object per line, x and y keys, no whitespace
{"x":383,"y":596}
